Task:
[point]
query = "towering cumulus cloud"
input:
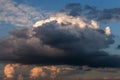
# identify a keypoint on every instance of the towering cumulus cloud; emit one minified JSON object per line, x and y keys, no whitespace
{"x":67,"y":32}
{"x":58,"y":40}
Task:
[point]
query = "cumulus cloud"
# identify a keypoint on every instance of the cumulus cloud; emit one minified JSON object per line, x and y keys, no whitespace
{"x":18,"y":14}
{"x":33,"y":72}
{"x":76,"y":30}
{"x":107,"y":30}
{"x":91,"y":12}
{"x":58,"y":40}
{"x":9,"y":71}
{"x":41,"y":71}
{"x":36,"y":72}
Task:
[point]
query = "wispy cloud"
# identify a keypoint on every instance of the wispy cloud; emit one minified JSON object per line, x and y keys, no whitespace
{"x":91,"y":12}
{"x":18,"y":14}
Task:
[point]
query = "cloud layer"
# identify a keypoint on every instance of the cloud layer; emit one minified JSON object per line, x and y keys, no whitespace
{"x":33,"y":72}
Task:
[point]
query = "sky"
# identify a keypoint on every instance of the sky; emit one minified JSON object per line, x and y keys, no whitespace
{"x":54,"y":5}
{"x":50,"y":5}
{"x":40,"y":34}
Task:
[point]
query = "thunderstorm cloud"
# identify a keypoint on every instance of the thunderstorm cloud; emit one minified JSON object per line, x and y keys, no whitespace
{"x":60,"y":39}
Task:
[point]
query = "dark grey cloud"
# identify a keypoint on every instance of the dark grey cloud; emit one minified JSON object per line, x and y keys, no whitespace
{"x":63,"y":39}
{"x":91,"y":12}
{"x":73,"y":9}
{"x":55,"y":43}
{"x":118,"y":47}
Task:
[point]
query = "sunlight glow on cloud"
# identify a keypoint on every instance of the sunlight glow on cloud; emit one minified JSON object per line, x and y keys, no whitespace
{"x":62,"y":18}
{"x":94,"y":24}
{"x":9,"y":71}
{"x":107,"y":30}
{"x":41,"y":71}
{"x":35,"y":72}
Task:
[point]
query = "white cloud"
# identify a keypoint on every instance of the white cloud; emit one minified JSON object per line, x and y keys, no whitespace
{"x":62,"y":18}
{"x":107,"y":30}
{"x":18,"y":14}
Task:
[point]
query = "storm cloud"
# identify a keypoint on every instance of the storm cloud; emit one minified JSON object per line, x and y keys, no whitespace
{"x":60,"y":40}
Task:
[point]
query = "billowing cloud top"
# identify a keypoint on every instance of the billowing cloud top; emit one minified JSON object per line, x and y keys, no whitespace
{"x":78,"y":28}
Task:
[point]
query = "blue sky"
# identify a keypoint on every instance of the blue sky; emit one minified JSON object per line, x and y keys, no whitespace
{"x":56,"y":5}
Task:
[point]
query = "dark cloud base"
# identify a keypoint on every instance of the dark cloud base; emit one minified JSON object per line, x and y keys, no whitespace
{"x":94,"y":60}
{"x":25,"y":53}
